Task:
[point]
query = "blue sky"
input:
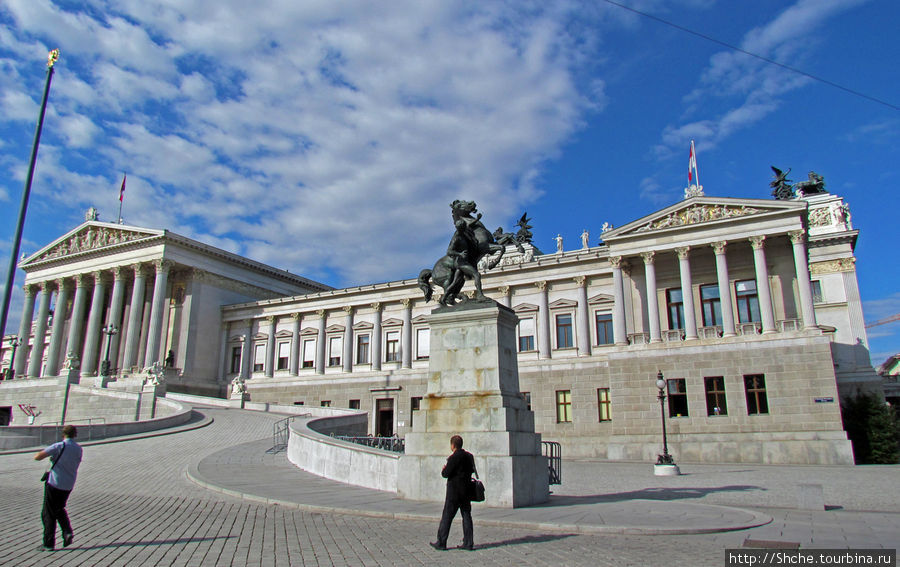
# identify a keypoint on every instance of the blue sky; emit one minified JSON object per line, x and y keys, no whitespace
{"x":327,"y":138}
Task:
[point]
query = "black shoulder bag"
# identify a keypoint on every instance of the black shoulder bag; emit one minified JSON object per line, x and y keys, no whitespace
{"x":477,"y":486}
{"x":46,"y":474}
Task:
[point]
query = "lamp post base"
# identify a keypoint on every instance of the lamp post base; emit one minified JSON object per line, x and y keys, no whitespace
{"x":666,"y":470}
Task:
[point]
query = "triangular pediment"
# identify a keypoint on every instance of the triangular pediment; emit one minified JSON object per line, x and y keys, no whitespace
{"x":89,"y":237}
{"x":283,"y":334}
{"x":563,"y":303}
{"x":421,"y":319}
{"x":306,"y":331}
{"x":391,"y":322}
{"x":601,"y":298}
{"x":525,"y":308}
{"x":701,"y":211}
{"x":334,"y":329}
{"x":362,"y":326}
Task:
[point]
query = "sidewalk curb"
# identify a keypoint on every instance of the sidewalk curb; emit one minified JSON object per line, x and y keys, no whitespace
{"x":193,"y":474}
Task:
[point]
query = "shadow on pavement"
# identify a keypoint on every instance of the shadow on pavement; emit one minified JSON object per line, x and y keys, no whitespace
{"x":525,"y":539}
{"x":154,"y":542}
{"x":645,"y":494}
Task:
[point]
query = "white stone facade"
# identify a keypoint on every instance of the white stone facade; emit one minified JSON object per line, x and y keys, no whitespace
{"x":749,"y":306}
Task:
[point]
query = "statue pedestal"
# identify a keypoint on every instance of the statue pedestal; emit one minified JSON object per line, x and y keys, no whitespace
{"x":473,"y":391}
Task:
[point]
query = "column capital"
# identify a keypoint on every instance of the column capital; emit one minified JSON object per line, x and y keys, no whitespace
{"x":296,"y":316}
{"x":504,"y":290}
{"x":719,"y":246}
{"x":683,"y":252}
{"x":348,"y":309}
{"x":82,"y":280}
{"x":615,"y":261}
{"x":45,"y":286}
{"x":61,"y":283}
{"x":406,"y":302}
{"x":30,"y":289}
{"x":797,"y":236}
{"x":270,"y":319}
{"x":118,"y":273}
{"x":162,"y":265}
{"x":376,"y":305}
{"x":648,"y":256}
{"x":757,"y":242}
{"x":580,"y":281}
{"x":541,"y":285}
{"x":322,"y":313}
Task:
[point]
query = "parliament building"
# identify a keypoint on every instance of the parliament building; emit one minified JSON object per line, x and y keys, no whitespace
{"x":749,"y":308}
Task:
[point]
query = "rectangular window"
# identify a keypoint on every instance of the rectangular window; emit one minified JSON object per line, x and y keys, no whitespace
{"x":309,"y":353}
{"x":675,"y":303}
{"x":284,"y":353}
{"x":326,"y":403}
{"x":603,"y":405}
{"x":362,"y":349}
{"x":678,"y":405}
{"x":604,"y":324}
{"x":755,"y":388}
{"x":564,"y":331}
{"x":354,"y":404}
{"x":715,"y":396}
{"x":392,"y":344}
{"x":526,"y":334}
{"x":817,"y":291}
{"x":423,"y":343}
{"x":527,"y":397}
{"x":712,"y":308}
{"x":414,"y":404}
{"x":563,"y":406}
{"x":298,"y":403}
{"x":747,"y":301}
{"x":335,"y":345}
{"x":235,"y":360}
{"x":259,"y":358}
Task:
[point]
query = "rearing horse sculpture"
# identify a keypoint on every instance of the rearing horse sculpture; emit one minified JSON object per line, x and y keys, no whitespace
{"x":470,"y":243}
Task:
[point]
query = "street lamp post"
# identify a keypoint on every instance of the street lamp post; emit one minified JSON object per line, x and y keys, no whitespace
{"x":109,"y":330}
{"x":665,"y":464}
{"x":15,"y":342}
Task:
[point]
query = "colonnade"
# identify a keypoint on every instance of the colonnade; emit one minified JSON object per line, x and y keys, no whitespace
{"x":764,"y":296}
{"x":93,"y":306}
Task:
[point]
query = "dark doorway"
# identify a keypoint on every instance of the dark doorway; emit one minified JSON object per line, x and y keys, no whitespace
{"x":384,"y":418}
{"x":5,"y":415}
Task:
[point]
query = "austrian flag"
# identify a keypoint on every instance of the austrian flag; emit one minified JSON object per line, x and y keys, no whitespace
{"x":693,"y":174}
{"x":122,"y":189}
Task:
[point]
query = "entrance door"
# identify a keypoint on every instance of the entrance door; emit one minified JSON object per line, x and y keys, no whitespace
{"x":5,"y":415}
{"x":384,"y":418}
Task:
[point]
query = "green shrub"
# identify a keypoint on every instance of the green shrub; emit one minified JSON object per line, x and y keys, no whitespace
{"x":873,"y":428}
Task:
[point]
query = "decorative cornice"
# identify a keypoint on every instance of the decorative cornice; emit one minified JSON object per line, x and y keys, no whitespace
{"x":696,"y":214}
{"x":833,"y":266}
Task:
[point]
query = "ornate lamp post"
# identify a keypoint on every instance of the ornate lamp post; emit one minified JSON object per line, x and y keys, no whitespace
{"x":14,"y":342}
{"x":109,"y":330}
{"x":665,"y":464}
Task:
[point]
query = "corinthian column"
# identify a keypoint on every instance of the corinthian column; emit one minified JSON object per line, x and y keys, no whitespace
{"x":543,"y":321}
{"x":40,"y":332}
{"x":270,"y":347}
{"x":652,"y":299}
{"x":59,"y":323}
{"x":156,"y":311}
{"x":406,"y":337}
{"x":762,"y":284}
{"x":115,"y":311}
{"x":801,"y":265}
{"x":95,"y":320}
{"x":135,"y":313}
{"x":25,"y":330}
{"x":73,"y":344}
{"x":687,"y":293}
{"x":724,"y":290}
{"x":294,"y":362}
{"x":348,"y":338}
{"x":619,"y":329}
{"x":583,"y":326}
{"x":320,"y":342}
{"x":376,"y":353}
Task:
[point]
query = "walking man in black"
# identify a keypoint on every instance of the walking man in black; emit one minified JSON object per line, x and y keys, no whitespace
{"x":66,"y":456}
{"x":458,"y":472}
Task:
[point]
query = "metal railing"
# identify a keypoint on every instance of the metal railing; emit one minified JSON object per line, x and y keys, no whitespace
{"x":280,"y":434}
{"x":51,"y":431}
{"x":393,"y":444}
{"x":553,"y":452}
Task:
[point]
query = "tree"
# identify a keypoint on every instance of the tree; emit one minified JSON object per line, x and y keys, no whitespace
{"x":873,"y":428}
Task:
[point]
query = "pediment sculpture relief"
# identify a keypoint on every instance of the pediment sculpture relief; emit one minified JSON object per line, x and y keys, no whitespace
{"x":90,"y":239}
{"x":697,"y":214}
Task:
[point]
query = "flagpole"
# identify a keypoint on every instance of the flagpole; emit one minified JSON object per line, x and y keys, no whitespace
{"x":17,"y":241}
{"x":122,"y":196}
{"x":696,"y":171}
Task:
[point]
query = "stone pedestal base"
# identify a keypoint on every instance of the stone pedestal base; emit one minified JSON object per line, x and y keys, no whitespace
{"x":666,"y":470}
{"x":473,"y":391}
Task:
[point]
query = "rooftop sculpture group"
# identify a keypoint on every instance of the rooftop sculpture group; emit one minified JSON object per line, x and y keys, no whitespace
{"x":783,"y":190}
{"x":470,"y":243}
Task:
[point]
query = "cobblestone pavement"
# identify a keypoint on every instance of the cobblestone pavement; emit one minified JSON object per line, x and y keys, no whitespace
{"x":133,"y":505}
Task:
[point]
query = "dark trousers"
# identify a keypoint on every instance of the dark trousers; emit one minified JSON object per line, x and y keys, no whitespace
{"x":451,"y":505}
{"x":54,"y":512}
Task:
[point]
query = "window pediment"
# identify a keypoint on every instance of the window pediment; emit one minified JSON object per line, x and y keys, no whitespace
{"x":525,"y":308}
{"x":563,"y":304}
{"x":392,"y":323}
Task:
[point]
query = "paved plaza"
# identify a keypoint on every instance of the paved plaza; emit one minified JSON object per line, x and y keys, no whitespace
{"x":211,"y":495}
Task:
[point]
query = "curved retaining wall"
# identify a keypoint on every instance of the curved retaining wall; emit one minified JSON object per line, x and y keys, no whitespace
{"x":312,"y":448}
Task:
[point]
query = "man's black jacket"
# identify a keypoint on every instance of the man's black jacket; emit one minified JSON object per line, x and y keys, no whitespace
{"x":458,"y":472}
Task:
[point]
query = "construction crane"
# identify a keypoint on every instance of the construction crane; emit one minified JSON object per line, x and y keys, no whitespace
{"x":884,"y":321}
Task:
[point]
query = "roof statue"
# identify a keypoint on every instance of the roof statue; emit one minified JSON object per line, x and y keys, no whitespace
{"x":814,"y":186}
{"x":470,"y":243}
{"x":524,"y":233}
{"x":781,"y":185}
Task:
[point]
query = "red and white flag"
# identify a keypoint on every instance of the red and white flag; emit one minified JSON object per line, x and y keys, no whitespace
{"x":693,"y":174}
{"x":122,"y":189}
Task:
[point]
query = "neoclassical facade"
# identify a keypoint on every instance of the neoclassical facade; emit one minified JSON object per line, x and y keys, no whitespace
{"x":749,"y":308}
